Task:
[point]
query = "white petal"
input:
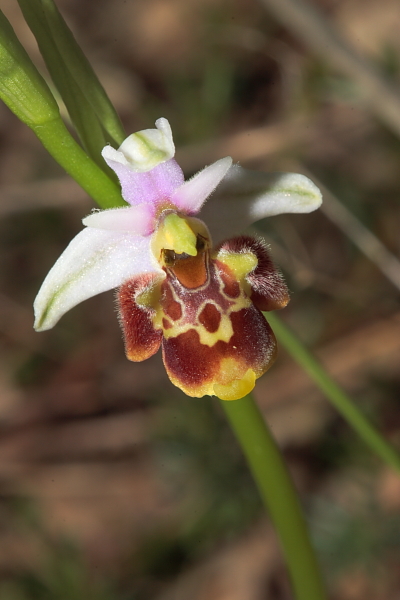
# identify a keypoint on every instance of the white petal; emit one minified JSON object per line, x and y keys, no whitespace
{"x":245,"y":197}
{"x":136,"y":219}
{"x":95,"y":261}
{"x":191,"y":196}
{"x":144,"y":150}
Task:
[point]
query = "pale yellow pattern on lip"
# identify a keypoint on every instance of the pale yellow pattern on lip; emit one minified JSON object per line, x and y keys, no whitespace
{"x":236,"y":388}
{"x":241,"y":265}
{"x":223,"y":333}
{"x":225,"y":329}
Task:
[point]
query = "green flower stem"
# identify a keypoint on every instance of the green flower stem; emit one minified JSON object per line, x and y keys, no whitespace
{"x":57,"y":140}
{"x":279,"y":495}
{"x":334,"y":393}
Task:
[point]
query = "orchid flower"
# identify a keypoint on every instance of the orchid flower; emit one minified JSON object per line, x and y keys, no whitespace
{"x":201,"y":304}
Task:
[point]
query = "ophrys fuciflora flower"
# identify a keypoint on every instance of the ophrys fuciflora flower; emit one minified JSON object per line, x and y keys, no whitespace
{"x":201,"y":303}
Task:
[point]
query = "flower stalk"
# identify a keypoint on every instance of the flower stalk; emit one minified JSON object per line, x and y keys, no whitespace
{"x":57,"y":140}
{"x":22,"y":87}
{"x":279,"y":495}
{"x":84,"y":119}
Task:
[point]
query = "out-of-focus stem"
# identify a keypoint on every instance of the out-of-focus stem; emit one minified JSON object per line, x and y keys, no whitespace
{"x":318,"y":33}
{"x":334,"y":393}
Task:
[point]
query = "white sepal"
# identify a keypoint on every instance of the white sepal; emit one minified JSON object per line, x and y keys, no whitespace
{"x":95,"y":261}
{"x":136,"y":219}
{"x":245,"y":197}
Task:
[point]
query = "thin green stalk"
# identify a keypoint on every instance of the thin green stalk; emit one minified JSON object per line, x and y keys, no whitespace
{"x":334,"y":393}
{"x":279,"y":495}
{"x":57,"y":140}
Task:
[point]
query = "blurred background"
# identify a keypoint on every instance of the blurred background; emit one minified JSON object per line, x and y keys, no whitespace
{"x":113,"y":484}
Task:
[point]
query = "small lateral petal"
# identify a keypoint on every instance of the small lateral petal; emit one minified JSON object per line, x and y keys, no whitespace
{"x":95,"y":261}
{"x":141,"y":339}
{"x":136,"y":219}
{"x":191,"y":196}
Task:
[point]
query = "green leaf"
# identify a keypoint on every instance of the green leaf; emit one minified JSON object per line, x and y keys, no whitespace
{"x":82,"y":92}
{"x":83,"y":72}
{"x":83,"y":117}
{"x":26,"y":93}
{"x":22,"y":87}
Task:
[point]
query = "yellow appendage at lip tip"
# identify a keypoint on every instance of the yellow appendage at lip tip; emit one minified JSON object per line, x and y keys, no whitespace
{"x":237,"y":388}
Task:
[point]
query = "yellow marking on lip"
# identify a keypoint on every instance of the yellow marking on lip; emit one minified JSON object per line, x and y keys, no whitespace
{"x":237,"y":388}
{"x":241,"y":265}
{"x":233,"y":384}
{"x":223,"y":333}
